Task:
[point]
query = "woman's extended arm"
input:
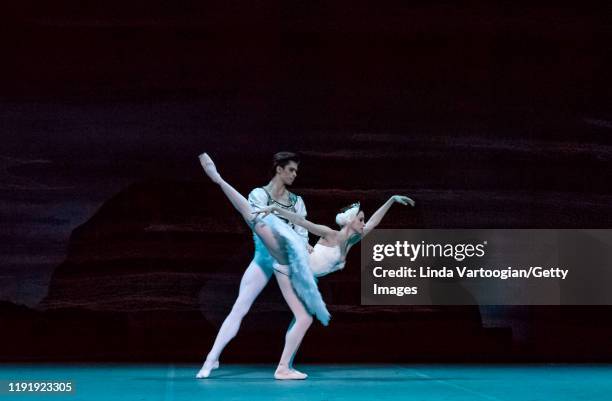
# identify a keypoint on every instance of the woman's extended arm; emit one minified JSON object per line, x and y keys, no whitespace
{"x":316,"y":229}
{"x":380,"y":213}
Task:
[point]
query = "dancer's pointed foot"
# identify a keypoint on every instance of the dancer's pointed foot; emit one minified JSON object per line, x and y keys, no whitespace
{"x":284,"y":373}
{"x":209,"y":167}
{"x":206,"y":369}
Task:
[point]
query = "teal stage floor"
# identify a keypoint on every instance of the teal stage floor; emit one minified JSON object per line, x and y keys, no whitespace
{"x":176,"y":382}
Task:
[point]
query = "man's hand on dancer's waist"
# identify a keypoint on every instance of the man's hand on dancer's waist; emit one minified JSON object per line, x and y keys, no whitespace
{"x":310,"y":248}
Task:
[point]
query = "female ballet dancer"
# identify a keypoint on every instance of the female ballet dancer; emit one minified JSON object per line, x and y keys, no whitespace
{"x":295,"y":269}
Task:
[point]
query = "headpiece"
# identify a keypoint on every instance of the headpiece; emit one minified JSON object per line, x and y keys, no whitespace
{"x":347,"y":214}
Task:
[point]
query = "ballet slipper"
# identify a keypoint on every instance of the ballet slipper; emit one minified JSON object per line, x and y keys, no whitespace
{"x":206,"y":369}
{"x":288,"y":374}
{"x":298,"y":372}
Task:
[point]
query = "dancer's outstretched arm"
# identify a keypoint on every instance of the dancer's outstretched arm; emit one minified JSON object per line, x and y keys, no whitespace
{"x":380,"y":213}
{"x":316,"y":229}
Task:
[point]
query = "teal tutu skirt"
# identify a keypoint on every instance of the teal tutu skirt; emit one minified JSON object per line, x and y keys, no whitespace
{"x":302,"y":279}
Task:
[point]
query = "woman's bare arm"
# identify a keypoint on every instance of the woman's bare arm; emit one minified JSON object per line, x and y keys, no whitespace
{"x":380,"y":213}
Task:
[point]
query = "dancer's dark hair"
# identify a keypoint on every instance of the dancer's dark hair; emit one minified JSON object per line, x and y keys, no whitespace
{"x":281,"y":159}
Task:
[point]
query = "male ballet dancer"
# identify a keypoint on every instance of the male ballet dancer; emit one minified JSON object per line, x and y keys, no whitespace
{"x":260,"y":270}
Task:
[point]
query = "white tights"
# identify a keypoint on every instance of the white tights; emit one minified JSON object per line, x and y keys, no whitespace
{"x":300,"y":324}
{"x":253,"y":282}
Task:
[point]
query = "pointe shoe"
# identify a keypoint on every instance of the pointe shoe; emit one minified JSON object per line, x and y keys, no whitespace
{"x":206,"y":369}
{"x":289,"y":374}
{"x":209,"y":167}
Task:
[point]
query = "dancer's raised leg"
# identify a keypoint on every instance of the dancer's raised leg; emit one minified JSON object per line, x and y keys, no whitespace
{"x":244,"y":208}
{"x":295,"y":333}
{"x":240,"y":202}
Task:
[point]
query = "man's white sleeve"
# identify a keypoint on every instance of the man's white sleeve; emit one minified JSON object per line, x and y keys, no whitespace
{"x":258,"y":198}
{"x":300,"y":208}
